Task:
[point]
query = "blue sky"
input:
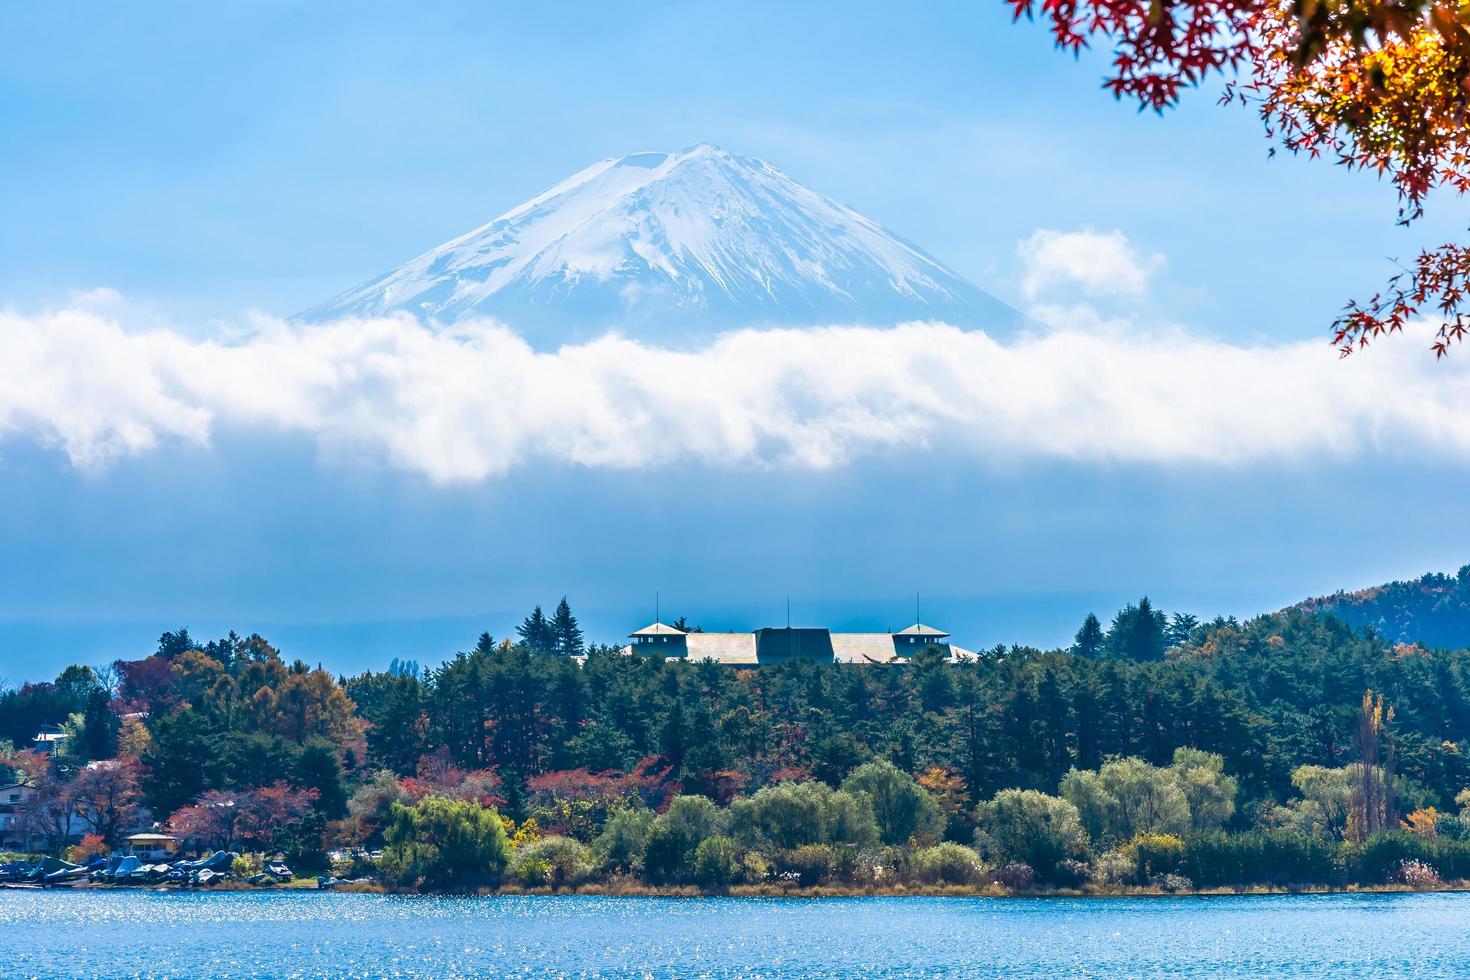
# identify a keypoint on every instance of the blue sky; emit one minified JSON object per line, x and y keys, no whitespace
{"x":206,"y":161}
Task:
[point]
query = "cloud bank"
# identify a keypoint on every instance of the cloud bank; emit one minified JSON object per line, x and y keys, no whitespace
{"x":474,"y":402}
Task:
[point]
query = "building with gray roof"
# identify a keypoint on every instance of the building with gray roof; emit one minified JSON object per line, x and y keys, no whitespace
{"x":774,"y":645}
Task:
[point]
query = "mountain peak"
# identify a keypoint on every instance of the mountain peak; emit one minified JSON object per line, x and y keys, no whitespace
{"x":672,"y":247}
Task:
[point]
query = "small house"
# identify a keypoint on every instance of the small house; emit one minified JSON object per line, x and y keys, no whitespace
{"x":153,"y":846}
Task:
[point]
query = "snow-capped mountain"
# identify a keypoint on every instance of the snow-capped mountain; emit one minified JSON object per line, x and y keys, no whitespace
{"x":671,"y":246}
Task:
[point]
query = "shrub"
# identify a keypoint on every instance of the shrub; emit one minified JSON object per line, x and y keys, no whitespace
{"x":1279,"y":857}
{"x":443,"y":844}
{"x":1017,"y":877}
{"x":948,"y":864}
{"x":1111,"y":869}
{"x":1172,"y":883}
{"x":674,"y":835}
{"x":788,"y":815}
{"x":556,"y":861}
{"x":620,"y":846}
{"x":754,"y":866}
{"x":845,"y":859}
{"x":91,"y":846}
{"x":663,"y":854}
{"x":811,"y":863}
{"x":1156,"y":854}
{"x":1376,"y":861}
{"x":1416,"y":874}
{"x":1451,"y":855}
{"x":873,"y":866}
{"x":903,"y":809}
{"x":1028,"y":827}
{"x":715,"y":862}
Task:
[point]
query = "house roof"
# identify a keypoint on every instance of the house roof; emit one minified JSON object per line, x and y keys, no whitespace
{"x":919,"y":629}
{"x":658,"y":629}
{"x":725,"y":648}
{"x":863,"y":648}
{"x":142,"y":838}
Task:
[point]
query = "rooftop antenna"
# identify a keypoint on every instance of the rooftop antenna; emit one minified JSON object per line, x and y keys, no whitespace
{"x":788,"y":612}
{"x":655,"y":606}
{"x":918,"y":620}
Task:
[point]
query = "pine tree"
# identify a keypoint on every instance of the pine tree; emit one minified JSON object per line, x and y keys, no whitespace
{"x":536,"y":632}
{"x":319,"y":769}
{"x":566,"y":634}
{"x":99,"y":729}
{"x":486,"y":643}
{"x":1089,"y":641}
{"x":1181,"y":628}
{"x":1137,"y":632}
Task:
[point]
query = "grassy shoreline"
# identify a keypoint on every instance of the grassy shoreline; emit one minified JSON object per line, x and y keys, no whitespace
{"x":637,"y":890}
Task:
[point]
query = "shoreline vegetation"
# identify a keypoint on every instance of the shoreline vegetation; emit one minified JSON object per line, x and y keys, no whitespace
{"x":636,"y":889}
{"x":1157,"y":755}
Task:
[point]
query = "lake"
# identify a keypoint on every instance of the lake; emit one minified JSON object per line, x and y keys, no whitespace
{"x":279,"y":934}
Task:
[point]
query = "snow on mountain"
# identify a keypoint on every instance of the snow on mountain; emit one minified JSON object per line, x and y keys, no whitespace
{"x":671,"y":247}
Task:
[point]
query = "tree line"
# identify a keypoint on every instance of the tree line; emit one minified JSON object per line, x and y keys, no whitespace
{"x":1155,"y":746}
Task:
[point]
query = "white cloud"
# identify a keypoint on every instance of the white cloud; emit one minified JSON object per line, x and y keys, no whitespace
{"x":475,"y":402}
{"x":1098,"y":264}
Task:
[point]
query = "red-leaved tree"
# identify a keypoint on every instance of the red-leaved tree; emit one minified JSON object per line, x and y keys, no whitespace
{"x":1379,"y":85}
{"x":222,"y":819}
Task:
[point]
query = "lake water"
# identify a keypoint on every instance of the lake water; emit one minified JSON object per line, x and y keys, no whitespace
{"x":152,"y":934}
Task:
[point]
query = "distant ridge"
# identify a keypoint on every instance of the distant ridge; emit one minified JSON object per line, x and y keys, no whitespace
{"x":672,"y":247}
{"x":1432,"y":610}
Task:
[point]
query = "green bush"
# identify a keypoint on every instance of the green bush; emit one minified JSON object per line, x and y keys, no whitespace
{"x":1382,"y":854}
{"x":1157,"y":854}
{"x":1032,"y":828}
{"x":556,"y":861}
{"x":1452,"y":858}
{"x":716,"y":862}
{"x":788,"y":815}
{"x":947,"y":864}
{"x":903,"y":809}
{"x":620,"y":846}
{"x":1279,"y":857}
{"x":811,"y":863}
{"x":668,"y":851}
{"x":444,"y":845}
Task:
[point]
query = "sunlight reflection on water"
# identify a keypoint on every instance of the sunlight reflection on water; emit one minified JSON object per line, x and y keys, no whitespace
{"x":150,"y":934}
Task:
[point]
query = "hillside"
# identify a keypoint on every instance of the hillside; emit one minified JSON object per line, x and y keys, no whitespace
{"x":1433,"y":610}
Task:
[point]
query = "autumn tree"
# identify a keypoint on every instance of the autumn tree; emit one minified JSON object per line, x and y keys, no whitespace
{"x":1373,"y":806}
{"x":51,"y":811}
{"x":1377,"y":85}
{"x":107,"y":795}
{"x":222,"y":819}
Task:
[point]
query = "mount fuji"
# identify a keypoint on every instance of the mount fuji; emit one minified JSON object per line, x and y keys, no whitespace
{"x":673,"y":247}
